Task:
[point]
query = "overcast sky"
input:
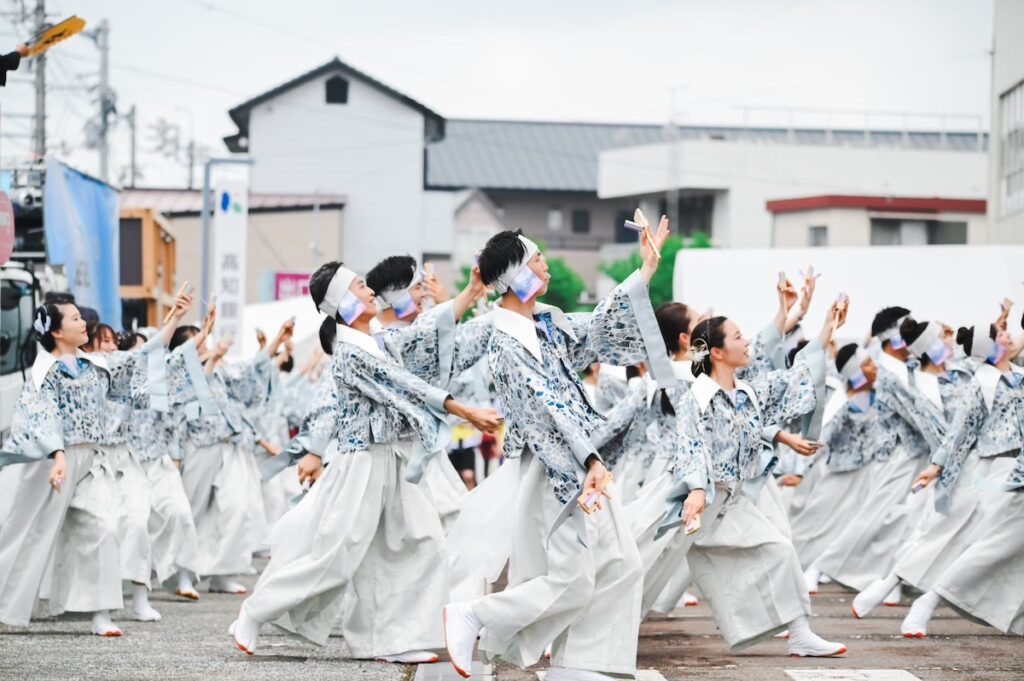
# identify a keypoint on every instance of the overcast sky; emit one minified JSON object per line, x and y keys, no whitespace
{"x":189,"y":61}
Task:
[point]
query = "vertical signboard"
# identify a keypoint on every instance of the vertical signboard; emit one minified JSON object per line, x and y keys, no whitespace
{"x":230,"y":237}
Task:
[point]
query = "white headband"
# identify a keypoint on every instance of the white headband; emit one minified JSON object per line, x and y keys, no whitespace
{"x":342,"y":279}
{"x":504,"y":281}
{"x":893,"y":331}
{"x":982,"y":345}
{"x":926,"y":340}
{"x":389,"y":297}
{"x":852,"y":366}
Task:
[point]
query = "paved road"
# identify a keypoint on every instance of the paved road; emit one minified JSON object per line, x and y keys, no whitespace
{"x":191,"y":644}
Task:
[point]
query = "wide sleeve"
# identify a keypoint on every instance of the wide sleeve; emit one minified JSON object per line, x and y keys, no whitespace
{"x":553,"y":429}
{"x":130,"y":372}
{"x":471,"y":341}
{"x":916,"y":409}
{"x":401,"y":393}
{"x":785,"y":395}
{"x":621,"y":331}
{"x":320,"y":423}
{"x":249,"y":382}
{"x":962,"y":435}
{"x":612,"y":436}
{"x":767,"y":353}
{"x":37,"y":429}
{"x":427,"y":346}
{"x":690,"y":466}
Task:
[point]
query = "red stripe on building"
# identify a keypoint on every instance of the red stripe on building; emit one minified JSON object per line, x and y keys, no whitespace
{"x":880,"y":203}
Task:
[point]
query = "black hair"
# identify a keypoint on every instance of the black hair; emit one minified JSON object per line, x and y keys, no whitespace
{"x":673,"y":319}
{"x":887,"y":318}
{"x":59,"y":297}
{"x":50,"y":310}
{"x":181,"y":335}
{"x":319,"y":282}
{"x":126,"y":340}
{"x":910,"y":331}
{"x":791,"y":355}
{"x":965,"y":336}
{"x":501,"y":251}
{"x":392,"y":273}
{"x":97,"y":331}
{"x":288,"y":364}
{"x":845,"y":354}
{"x":708,"y":334}
{"x":632,"y":371}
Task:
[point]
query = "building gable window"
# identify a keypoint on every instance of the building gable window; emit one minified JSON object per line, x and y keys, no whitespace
{"x":336,"y":90}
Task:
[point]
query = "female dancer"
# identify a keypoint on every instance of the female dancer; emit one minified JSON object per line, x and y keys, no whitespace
{"x":744,"y":566}
{"x":64,"y":511}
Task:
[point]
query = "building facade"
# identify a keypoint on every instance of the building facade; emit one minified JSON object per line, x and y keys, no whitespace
{"x":1006,"y":161}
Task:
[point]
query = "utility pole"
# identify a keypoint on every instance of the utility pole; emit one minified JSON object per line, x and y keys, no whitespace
{"x":40,"y":66}
{"x":130,"y":117}
{"x":106,"y":98}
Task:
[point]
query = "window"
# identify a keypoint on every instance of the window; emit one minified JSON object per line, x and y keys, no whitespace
{"x":336,"y":90}
{"x":580,"y":221}
{"x":554,"y":219}
{"x":817,"y":236}
{"x":1011,"y":150}
{"x":895,"y":232}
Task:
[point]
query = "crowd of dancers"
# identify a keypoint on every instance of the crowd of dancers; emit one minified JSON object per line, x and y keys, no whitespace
{"x":753,"y":470}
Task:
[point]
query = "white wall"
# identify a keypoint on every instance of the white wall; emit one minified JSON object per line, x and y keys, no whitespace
{"x":370,"y":150}
{"x":958,"y":285}
{"x":1007,"y":71}
{"x":752,"y":174}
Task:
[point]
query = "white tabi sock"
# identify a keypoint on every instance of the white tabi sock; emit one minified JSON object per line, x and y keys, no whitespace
{"x":805,"y":643}
{"x":102,"y":625}
{"x":142,"y":611}
{"x":868,"y":599}
{"x":915,"y":624}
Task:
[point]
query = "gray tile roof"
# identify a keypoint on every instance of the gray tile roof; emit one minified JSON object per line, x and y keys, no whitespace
{"x":556,"y":156}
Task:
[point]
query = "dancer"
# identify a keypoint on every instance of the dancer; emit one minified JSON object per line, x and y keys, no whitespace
{"x":744,"y":566}
{"x":866,"y":548}
{"x":574,"y":575}
{"x":987,"y":426}
{"x":931,"y":544}
{"x":363,"y":528}
{"x":64,"y":511}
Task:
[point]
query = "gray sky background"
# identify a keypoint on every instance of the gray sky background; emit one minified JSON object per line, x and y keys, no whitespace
{"x":189,"y":61}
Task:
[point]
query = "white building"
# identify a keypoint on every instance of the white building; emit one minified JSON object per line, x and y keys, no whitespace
{"x":335,"y":130}
{"x":1006,"y":190}
{"x":739,"y":177}
{"x":844,"y":220}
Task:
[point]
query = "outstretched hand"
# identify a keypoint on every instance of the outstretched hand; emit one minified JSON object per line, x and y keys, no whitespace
{"x":650,"y":250}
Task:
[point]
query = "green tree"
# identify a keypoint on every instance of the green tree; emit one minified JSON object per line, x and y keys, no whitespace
{"x":661,"y":283}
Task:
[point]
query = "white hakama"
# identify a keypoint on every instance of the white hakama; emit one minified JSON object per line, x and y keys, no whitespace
{"x":834,"y":501}
{"x":866,"y":549}
{"x":221,"y":482}
{"x":943,"y":537}
{"x":747,"y":570}
{"x":133,"y":522}
{"x":172,"y":532}
{"x":363,"y":531}
{"x":986,"y":582}
{"x":67,"y":538}
{"x":584,"y":601}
